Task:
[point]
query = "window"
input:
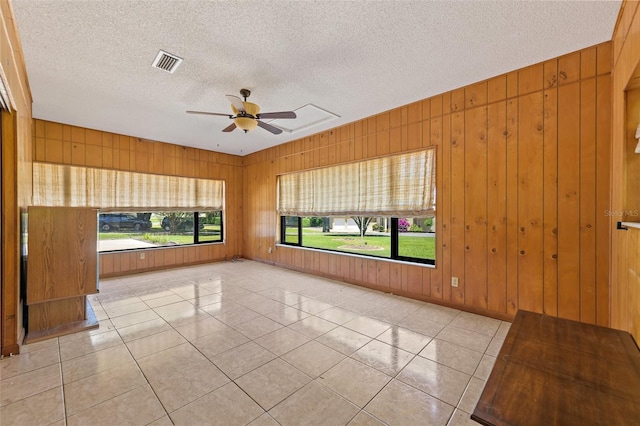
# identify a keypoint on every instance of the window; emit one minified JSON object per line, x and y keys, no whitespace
{"x":409,"y":239}
{"x":125,"y":231}
{"x":137,"y":210}
{"x":383,"y":207}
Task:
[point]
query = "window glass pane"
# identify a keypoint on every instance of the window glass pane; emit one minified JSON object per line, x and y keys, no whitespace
{"x":416,"y":237}
{"x":345,"y":234}
{"x":291,"y":229}
{"x":210,"y":226}
{"x":127,"y":230}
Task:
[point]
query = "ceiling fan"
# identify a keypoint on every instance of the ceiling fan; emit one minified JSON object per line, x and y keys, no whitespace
{"x":246,"y":115}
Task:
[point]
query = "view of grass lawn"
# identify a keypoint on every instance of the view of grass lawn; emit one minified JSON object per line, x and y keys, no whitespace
{"x":157,"y":235}
{"x":417,"y":246}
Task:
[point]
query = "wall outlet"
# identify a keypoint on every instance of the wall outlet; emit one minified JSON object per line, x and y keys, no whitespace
{"x":141,"y":255}
{"x":269,"y":250}
{"x":454,"y":281}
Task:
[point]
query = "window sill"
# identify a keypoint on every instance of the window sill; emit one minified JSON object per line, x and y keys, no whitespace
{"x":339,"y":253}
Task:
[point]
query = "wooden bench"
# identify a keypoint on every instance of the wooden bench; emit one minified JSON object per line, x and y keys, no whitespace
{"x":553,"y":371}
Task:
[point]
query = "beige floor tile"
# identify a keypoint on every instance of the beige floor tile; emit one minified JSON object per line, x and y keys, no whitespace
{"x":471,"y":395}
{"x":465,"y":338}
{"x":485,"y":367}
{"x":129,"y":308}
{"x":264,"y":420}
{"x":422,"y":324}
{"x":162,"y":421}
{"x":451,"y":355}
{"x":181,"y":313}
{"x":89,"y":344}
{"x":242,"y":359}
{"x":29,"y":361}
{"x":287,"y":315}
{"x":143,"y":329}
{"x":381,"y":356}
{"x":104,"y":326}
{"x":314,"y":404}
{"x":237,"y":315}
{"x":477,"y":323}
{"x":313,"y":307}
{"x":93,"y":390}
{"x":257,"y":327}
{"x":164,"y":300}
{"x":337,"y":315}
{"x":198,"y":329}
{"x":206,"y":300}
{"x":503,"y":330}
{"x":272,"y":383}
{"x":365,"y":419}
{"x":155,"y":343}
{"x":150,"y":294}
{"x":494,"y":347}
{"x":367,"y":326}
{"x":135,"y":407}
{"x":344,"y":340}
{"x":355,"y":381}
{"x":460,"y":418}
{"x":435,"y":379}
{"x":282,"y":341}
{"x":28,"y":384}
{"x":94,"y":363}
{"x":40,"y":409}
{"x":219,"y":342}
{"x":227,"y":405}
{"x":135,"y":318}
{"x":312,"y":326}
{"x":405,"y":339}
{"x":313,"y":358}
{"x":108,"y":305}
{"x":192,"y":291}
{"x":44,"y":344}
{"x":181,"y":375}
{"x":401,"y":404}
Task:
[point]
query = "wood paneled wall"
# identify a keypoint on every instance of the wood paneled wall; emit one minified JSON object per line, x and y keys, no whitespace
{"x":625,"y":245}
{"x":16,"y":179}
{"x":64,"y":144}
{"x":523,"y":166}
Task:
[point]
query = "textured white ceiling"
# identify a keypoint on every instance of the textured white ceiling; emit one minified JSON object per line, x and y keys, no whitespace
{"x":89,"y":62}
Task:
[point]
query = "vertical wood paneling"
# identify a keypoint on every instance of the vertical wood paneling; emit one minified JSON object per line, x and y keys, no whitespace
{"x":512,"y":206}
{"x":475,"y":207}
{"x":550,"y":207}
{"x":497,"y":207}
{"x":441,"y":132}
{"x":530,"y":202}
{"x":569,"y":201}
{"x":457,"y":203}
{"x":588,"y":198}
{"x":603,"y":196}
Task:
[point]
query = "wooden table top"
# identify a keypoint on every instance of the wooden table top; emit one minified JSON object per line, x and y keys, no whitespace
{"x":553,"y":371}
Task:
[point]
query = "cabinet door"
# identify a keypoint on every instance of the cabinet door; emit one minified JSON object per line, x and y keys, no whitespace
{"x":63,"y":255}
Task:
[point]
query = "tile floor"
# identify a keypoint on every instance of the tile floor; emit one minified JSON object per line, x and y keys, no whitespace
{"x":247,"y":343}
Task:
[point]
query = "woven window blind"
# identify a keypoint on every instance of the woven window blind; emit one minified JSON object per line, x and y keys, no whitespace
{"x":390,"y":186}
{"x":58,"y":185}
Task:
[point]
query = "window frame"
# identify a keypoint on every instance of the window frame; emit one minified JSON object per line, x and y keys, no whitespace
{"x":394,"y":237}
{"x":196,"y":232}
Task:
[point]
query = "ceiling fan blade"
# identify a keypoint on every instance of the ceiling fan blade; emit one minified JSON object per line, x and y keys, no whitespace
{"x":209,"y":113}
{"x":229,"y":128}
{"x":236,"y":102}
{"x":269,"y":127}
{"x":283,"y":114}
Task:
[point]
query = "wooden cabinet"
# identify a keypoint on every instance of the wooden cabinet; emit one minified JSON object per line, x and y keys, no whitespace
{"x":62,"y":269}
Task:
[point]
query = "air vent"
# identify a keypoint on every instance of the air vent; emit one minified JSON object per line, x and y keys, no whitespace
{"x":166,"y":61}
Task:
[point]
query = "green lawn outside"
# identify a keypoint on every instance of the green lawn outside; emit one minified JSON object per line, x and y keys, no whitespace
{"x":159,"y":236}
{"x":410,"y":246}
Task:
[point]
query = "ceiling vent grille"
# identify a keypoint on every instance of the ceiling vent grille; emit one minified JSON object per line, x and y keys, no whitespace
{"x":166,"y":61}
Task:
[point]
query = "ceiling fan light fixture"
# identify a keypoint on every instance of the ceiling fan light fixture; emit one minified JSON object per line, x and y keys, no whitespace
{"x":246,"y":123}
{"x":246,"y":120}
